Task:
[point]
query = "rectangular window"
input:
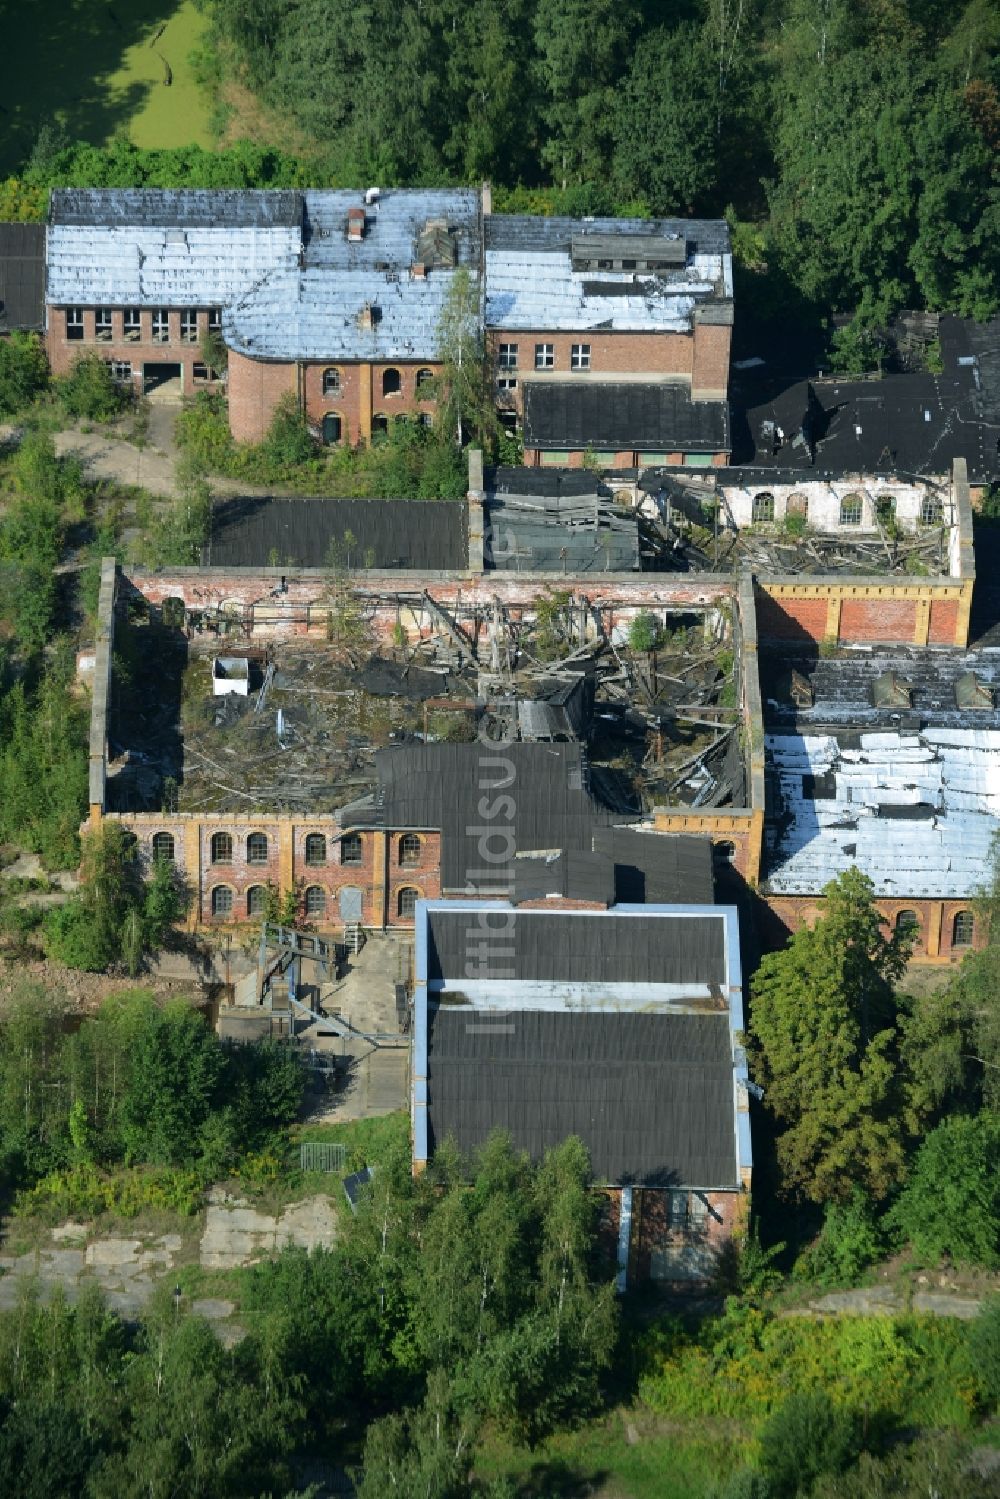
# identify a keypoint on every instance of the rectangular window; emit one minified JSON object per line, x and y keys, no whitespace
{"x":121,"y":371}
{"x":885,"y":508}
{"x":507,"y":357}
{"x":930,"y":511}
{"x":579,"y":357}
{"x":74,"y":322}
{"x":215,"y":320}
{"x":161,"y":325}
{"x":202,"y":372}
{"x":653,"y":460}
{"x":132,"y":324}
{"x":189,"y":326}
{"x":604,"y":456}
{"x":507,"y":382}
{"x":554,"y":457}
{"x":102,"y":324}
{"x":677,"y":1209}
{"x":545,"y":356}
{"x":697,"y":460}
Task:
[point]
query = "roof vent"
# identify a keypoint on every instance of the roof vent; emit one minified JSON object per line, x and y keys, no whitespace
{"x":890,"y":691}
{"x":355,"y":225}
{"x":437,"y":247}
{"x":972,"y":692}
{"x":372,"y":195}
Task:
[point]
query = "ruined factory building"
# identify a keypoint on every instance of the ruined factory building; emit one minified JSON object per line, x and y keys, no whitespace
{"x":619,"y":1026}
{"x":914,"y":423}
{"x":564,"y":521}
{"x":894,"y":767}
{"x":338,"y":533}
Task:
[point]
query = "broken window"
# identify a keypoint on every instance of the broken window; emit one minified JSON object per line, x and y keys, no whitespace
{"x":907,"y":923}
{"x":202,"y":372}
{"x":189,"y":326}
{"x":890,"y":690}
{"x":163,"y":847}
{"x":507,"y":357}
{"x":74,"y":323}
{"x":962,"y":929}
{"x":102,"y":324}
{"x":380,"y":424}
{"x":222,"y":901}
{"x":409,"y":849}
{"x":885,"y":509}
{"x":215,"y":320}
{"x":132,"y":324}
{"x":545,"y":356}
{"x":161,"y":325}
{"x":351,"y":849}
{"x":315,"y":848}
{"x":257,"y":848}
{"x":798,"y":504}
{"x":315,"y":901}
{"x":333,"y":428}
{"x":222,"y":848}
{"x":579,"y":357}
{"x":677,"y":1210}
{"x":763,"y":508}
{"x":121,"y":372}
{"x":507,"y":382}
{"x":724,"y":852}
{"x":406,"y":902}
{"x":425,"y":385}
{"x":852,"y":508}
{"x":930,"y":511}
{"x":256,"y":900}
{"x":822,"y":788}
{"x":392,"y":382}
{"x":331,"y":382}
{"x":425,"y":419}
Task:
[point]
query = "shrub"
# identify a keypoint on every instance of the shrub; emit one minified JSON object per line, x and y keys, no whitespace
{"x":83,"y":1190}
{"x":644,"y":633}
{"x":24,"y":372}
{"x":951,"y":1204}
{"x":849,"y":1242}
{"x":807,"y":1436}
{"x":89,"y":390}
{"x":984,"y":1352}
{"x":288,"y":442}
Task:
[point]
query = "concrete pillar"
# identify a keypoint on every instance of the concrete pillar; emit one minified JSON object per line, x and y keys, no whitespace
{"x":477,"y":520}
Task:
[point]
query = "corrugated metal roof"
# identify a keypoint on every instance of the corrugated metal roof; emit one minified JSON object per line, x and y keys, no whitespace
{"x":547,"y":804}
{"x":651,"y":1096}
{"x":176,"y":208}
{"x":659,"y":417}
{"x":531,"y":283}
{"x":299,"y":532}
{"x":312,"y":310}
{"x":576,"y":874}
{"x":560,"y":947}
{"x":22,"y":276}
{"x":658,"y":868}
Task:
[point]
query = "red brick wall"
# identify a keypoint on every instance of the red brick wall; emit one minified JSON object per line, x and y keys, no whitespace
{"x":353,"y":394}
{"x":650,"y":1229}
{"x":944,"y":621}
{"x":255,"y":387}
{"x":878,"y":619}
{"x":610,"y":353}
{"x":935,"y":923}
{"x":63,"y":352}
{"x":710,"y":375}
{"x":790,"y":618}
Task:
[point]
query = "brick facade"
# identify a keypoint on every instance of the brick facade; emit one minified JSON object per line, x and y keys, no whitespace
{"x":710,"y":368}
{"x":666,"y":1253}
{"x":358,"y":395}
{"x":384,"y":870}
{"x":137,"y":352}
{"x":929,"y":613}
{"x":936,"y":929}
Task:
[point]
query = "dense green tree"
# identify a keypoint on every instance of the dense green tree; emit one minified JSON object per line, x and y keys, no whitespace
{"x":581,"y":47}
{"x":466,"y":400}
{"x":805,"y":1437}
{"x":664,"y":132}
{"x":24,"y":372}
{"x":951,"y":1202}
{"x":177,"y":1066}
{"x":822,"y":1042}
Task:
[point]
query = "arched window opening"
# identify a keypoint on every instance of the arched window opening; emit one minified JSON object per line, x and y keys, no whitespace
{"x":963,"y":929}
{"x":409,"y":849}
{"x":256,"y":900}
{"x":222,"y":901}
{"x":852,"y":509}
{"x":315,"y":901}
{"x":257,"y":848}
{"x":763,"y":508}
{"x":907,"y":923}
{"x":331,"y":382}
{"x":163,"y":847}
{"x":392,"y":382}
{"x":351,"y":849}
{"x":222,"y":848}
{"x":315,"y":848}
{"x":406,"y":903}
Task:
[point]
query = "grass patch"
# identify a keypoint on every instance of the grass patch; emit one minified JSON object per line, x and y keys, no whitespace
{"x":88,"y":67}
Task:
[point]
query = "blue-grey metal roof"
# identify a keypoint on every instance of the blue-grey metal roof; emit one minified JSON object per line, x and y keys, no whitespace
{"x":313,"y":309}
{"x":166,"y":248}
{"x":531,"y":282}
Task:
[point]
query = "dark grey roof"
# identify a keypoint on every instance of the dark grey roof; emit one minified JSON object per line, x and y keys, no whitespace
{"x":651,"y":1096}
{"x":509,"y":231}
{"x":502,"y":481}
{"x":397,"y":533}
{"x":658,"y":868}
{"x":22,"y":276}
{"x":559,"y":947}
{"x":441,"y":786}
{"x":657,"y":417}
{"x":175,"y":208}
{"x":576,"y":875}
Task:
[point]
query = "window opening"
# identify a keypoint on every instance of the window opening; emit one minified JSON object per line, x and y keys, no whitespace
{"x":351,"y":850}
{"x":507,"y":357}
{"x":161,"y":325}
{"x":545,"y":356}
{"x":132,"y":324}
{"x":102,"y":324}
{"x":315,"y":848}
{"x":222,"y":848}
{"x":163,"y":847}
{"x":852,"y":508}
{"x":256,"y":900}
{"x":331,"y":382}
{"x":74,"y":323}
{"x":579,"y":357}
{"x":257,"y":848}
{"x":189,"y":326}
{"x":392,"y":382}
{"x":222,"y":901}
{"x":315,"y":901}
{"x":409,"y":849}
{"x":407,"y":902}
{"x":763,"y":508}
{"x":962,"y":929}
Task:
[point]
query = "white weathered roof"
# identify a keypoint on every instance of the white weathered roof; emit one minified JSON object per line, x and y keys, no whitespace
{"x":915,"y":811}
